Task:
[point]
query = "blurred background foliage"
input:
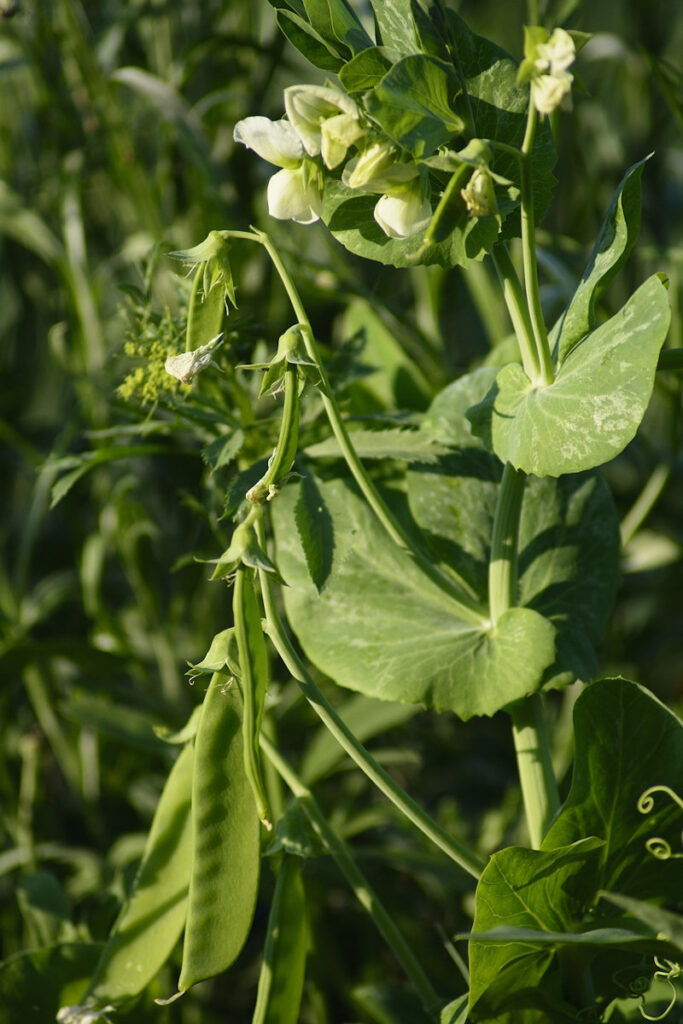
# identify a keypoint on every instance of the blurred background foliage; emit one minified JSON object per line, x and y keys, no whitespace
{"x":116,"y":147}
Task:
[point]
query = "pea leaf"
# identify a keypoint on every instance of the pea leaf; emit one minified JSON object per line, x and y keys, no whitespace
{"x":626,"y":742}
{"x":414,"y":104}
{"x":225,"y":841}
{"x":595,"y":405}
{"x":527,"y":889}
{"x":366,"y":69}
{"x":568,"y":563}
{"x":382,"y":628}
{"x":316,"y":533}
{"x":402,"y":445}
{"x":223,"y":450}
{"x":281,"y":980}
{"x":346,"y":26}
{"x":395,"y":25}
{"x":151,"y":921}
{"x":615,"y":240}
{"x":307,"y":41}
{"x":663,"y":922}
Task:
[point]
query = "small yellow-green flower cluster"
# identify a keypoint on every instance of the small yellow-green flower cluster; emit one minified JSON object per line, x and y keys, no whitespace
{"x":151,"y":339}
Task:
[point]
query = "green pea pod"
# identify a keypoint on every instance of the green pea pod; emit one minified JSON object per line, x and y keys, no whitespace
{"x":151,"y":921}
{"x":225,"y":840}
{"x":205,"y":312}
{"x":253,"y":657}
{"x":281,"y":980}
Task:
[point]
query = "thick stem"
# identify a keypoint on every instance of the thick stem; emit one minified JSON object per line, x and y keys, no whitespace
{"x":503,"y":561}
{"x":518,"y":310}
{"x":358,"y":882}
{"x":469,"y":609}
{"x":645,"y":502}
{"x":465,"y":858}
{"x":534,"y":763}
{"x":533,"y":296}
{"x":532,"y":747}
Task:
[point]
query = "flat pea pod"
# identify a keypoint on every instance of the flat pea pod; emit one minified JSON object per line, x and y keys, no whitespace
{"x":225,"y":840}
{"x":253,"y":658}
{"x":281,"y":980}
{"x":152,"y":920}
{"x":205,"y":312}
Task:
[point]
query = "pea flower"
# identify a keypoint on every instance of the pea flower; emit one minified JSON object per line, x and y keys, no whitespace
{"x":295,"y":192}
{"x":546,"y":64}
{"x":479,"y":195}
{"x":187,"y":365}
{"x":86,"y":1014}
{"x":404,"y":208}
{"x":325,"y":119}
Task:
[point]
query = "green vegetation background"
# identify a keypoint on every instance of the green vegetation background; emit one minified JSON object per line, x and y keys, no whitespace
{"x":116,"y":125}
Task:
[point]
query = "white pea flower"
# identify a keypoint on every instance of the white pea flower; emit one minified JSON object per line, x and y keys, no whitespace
{"x":85,"y":1014}
{"x":325,"y":119}
{"x":551,"y":79}
{"x":295,"y":192}
{"x":479,"y":195}
{"x":187,"y":365}
{"x":376,"y":169}
{"x":404,"y":211}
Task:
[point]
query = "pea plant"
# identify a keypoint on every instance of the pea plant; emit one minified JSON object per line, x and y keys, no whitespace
{"x":463,"y":560}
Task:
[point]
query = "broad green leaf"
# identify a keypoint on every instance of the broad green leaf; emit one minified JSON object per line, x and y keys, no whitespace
{"x":281,"y":980}
{"x":393,"y":380}
{"x":314,"y":526}
{"x":319,"y":15}
{"x":626,"y":742}
{"x":522,"y":888}
{"x":595,"y":405}
{"x":569,"y":532}
{"x":455,"y":1012}
{"x":365,"y":718}
{"x":669,"y":926}
{"x":414,"y":104}
{"x":152,"y":920}
{"x":225,"y":841}
{"x":615,"y":241}
{"x":403,"y":445}
{"x":308,"y":42}
{"x":34,"y":986}
{"x":346,"y":26}
{"x":613,"y":937}
{"x":395,"y":25}
{"x":382,"y":628}
{"x":366,"y":69}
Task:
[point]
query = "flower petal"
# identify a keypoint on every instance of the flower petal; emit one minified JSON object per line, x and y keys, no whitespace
{"x":274,"y":141}
{"x":309,"y":106}
{"x":376,"y":169}
{"x":403,"y":214}
{"x":292,"y":197}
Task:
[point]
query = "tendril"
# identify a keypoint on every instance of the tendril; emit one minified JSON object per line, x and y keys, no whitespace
{"x":656,"y":845}
{"x":667,"y":971}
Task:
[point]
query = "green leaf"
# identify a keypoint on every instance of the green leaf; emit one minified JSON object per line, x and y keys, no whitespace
{"x":81,"y":464}
{"x":389,"y":1004}
{"x":223,"y":450}
{"x":314,"y":526}
{"x":669,"y":926}
{"x":568,"y":563}
{"x":612,"y":937}
{"x":346,"y":26}
{"x":455,"y":1012}
{"x":284,"y":957}
{"x":308,"y":42}
{"x":225,"y":841}
{"x":395,"y":25}
{"x":527,"y":889}
{"x":626,"y":741}
{"x":595,"y":405}
{"x":221,"y":655}
{"x":615,"y":241}
{"x":403,"y":445}
{"x":414,"y":104}
{"x":365,"y":718}
{"x":382,"y":628}
{"x":151,"y":921}
{"x":366,"y":69}
{"x":34,"y":986}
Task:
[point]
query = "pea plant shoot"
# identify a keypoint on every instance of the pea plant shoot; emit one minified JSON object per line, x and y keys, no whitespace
{"x":463,"y":560}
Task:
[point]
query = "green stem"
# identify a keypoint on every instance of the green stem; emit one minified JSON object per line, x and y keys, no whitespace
{"x":533,"y":296}
{"x":357,"y":881}
{"x":469,"y":609}
{"x":532,"y":746}
{"x":503,"y":561}
{"x":285,"y":450}
{"x":534,"y":763}
{"x":252,"y":768}
{"x":518,"y":309}
{"x":465,"y":858}
{"x":644,"y":503}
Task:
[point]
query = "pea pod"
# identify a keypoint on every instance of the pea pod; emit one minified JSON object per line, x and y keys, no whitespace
{"x":281,"y":980}
{"x":205,"y":312}
{"x":253,"y":659}
{"x":225,"y":840}
{"x":151,"y":922}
